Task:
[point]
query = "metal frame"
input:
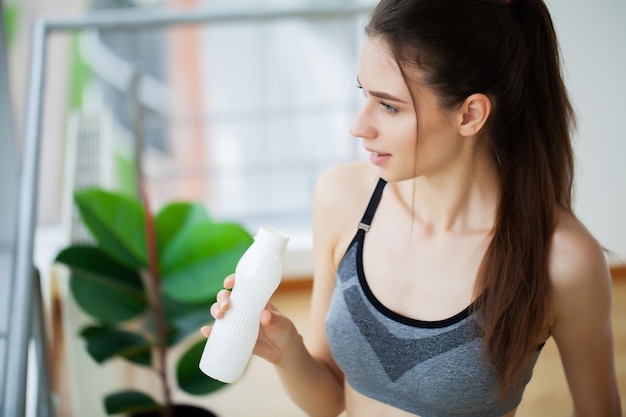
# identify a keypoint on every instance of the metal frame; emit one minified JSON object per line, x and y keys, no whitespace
{"x":25,"y":279}
{"x":8,"y":208}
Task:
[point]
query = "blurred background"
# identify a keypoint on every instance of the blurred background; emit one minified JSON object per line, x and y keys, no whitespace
{"x":243,"y":115}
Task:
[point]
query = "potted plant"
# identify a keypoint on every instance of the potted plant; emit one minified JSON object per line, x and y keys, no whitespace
{"x":148,"y":282}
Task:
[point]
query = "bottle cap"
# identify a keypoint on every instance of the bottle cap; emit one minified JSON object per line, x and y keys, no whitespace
{"x":272,"y":237}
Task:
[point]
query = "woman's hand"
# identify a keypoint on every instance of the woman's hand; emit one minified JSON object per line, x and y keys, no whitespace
{"x":276,"y":331}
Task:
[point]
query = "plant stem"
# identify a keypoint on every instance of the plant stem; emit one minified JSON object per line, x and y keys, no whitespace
{"x":153,"y":283}
{"x":152,"y":278}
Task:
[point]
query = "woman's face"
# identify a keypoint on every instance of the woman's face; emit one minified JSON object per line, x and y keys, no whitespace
{"x":388,"y":123}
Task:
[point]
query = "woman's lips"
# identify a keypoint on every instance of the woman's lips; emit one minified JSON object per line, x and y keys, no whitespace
{"x":379,"y":159}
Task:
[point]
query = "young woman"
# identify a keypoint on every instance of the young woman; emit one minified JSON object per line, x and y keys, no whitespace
{"x":444,"y":263}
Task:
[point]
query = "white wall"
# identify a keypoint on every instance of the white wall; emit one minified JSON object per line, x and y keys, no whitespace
{"x":593,"y":45}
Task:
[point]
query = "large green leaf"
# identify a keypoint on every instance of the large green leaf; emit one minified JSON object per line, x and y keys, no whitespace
{"x":129,"y":402}
{"x":101,"y":286}
{"x":104,"y":343}
{"x":117,"y":222}
{"x":184,"y":319}
{"x":193,"y":266}
{"x":190,"y":324}
{"x":174,"y":218}
{"x":181,"y":319}
{"x":190,"y":378}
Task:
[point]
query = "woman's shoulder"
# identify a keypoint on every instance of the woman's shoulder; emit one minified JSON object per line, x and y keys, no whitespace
{"x":578,"y":265}
{"x":346,"y":182}
{"x":341,"y":196}
{"x":576,"y":253}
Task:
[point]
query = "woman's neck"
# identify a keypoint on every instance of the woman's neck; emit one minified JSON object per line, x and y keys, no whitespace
{"x":464,"y":198}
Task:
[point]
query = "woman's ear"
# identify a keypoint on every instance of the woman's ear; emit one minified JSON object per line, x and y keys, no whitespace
{"x":474,"y":113}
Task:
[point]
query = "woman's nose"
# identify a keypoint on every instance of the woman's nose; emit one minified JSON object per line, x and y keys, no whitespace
{"x":362,"y":126}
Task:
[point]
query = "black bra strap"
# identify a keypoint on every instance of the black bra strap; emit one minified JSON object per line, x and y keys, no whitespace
{"x":372,"y":206}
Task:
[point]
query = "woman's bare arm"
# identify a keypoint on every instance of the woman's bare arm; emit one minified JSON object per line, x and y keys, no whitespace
{"x":582,"y":327}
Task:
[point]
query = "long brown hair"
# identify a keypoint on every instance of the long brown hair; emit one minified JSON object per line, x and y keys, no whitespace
{"x":509,"y":51}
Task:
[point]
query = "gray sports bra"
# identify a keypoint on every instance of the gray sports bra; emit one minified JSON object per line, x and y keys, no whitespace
{"x":428,"y":368}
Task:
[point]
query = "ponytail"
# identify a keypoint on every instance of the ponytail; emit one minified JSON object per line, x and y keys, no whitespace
{"x":537,"y":176}
{"x":553,"y":113}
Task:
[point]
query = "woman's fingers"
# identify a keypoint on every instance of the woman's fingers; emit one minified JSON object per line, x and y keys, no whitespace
{"x":229,"y":281}
{"x":223,"y":297}
{"x":266,"y":317}
{"x":216,"y":312}
{"x":205,"y":330}
{"x":221,"y":305}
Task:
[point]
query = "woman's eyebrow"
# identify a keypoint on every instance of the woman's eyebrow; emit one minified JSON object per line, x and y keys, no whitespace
{"x":383,"y":95}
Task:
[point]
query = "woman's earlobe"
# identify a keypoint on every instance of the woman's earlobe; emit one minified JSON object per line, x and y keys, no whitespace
{"x":475,"y":112}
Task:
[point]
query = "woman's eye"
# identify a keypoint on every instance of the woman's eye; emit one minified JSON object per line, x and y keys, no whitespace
{"x":388,"y":108}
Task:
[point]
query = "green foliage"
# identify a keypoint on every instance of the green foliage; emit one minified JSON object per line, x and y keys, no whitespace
{"x":184,"y":268}
{"x":104,"y":343}
{"x":95,"y":272}
{"x":117,"y":222}
{"x":129,"y":402}
{"x":194,"y":382}
{"x":11,"y":17}
{"x":110,"y":281}
{"x":79,"y":74}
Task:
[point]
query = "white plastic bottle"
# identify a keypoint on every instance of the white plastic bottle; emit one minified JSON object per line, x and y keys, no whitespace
{"x":257,"y":275}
